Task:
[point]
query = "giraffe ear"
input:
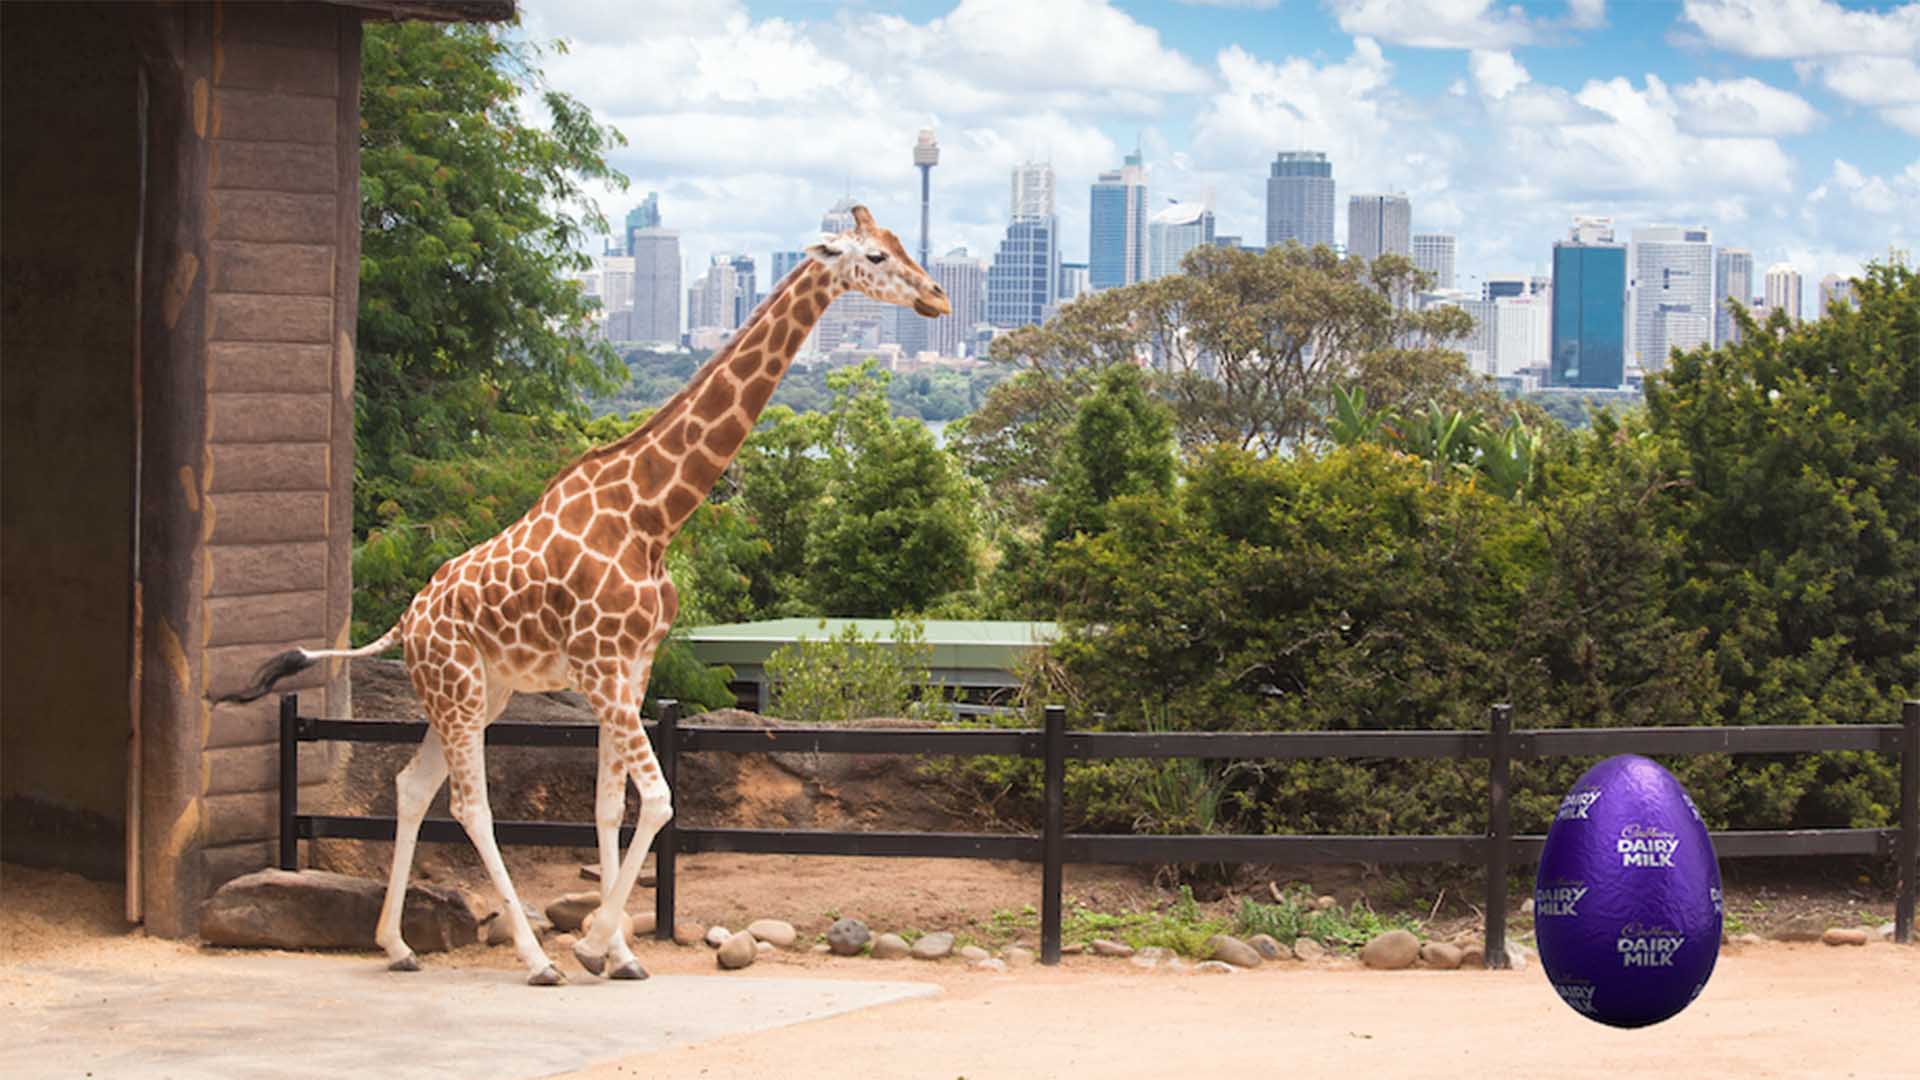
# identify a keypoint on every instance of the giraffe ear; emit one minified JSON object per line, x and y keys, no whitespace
{"x":827,"y":247}
{"x":862,"y":218}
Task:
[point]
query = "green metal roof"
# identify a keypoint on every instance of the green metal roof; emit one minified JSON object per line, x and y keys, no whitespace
{"x":957,"y":644}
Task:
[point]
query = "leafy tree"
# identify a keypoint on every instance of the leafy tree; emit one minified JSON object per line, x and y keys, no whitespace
{"x":843,"y":677}
{"x":782,"y":475}
{"x":1120,"y":443}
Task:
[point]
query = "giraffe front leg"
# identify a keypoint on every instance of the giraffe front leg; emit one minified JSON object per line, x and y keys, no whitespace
{"x":656,"y":809}
{"x":470,"y":808}
{"x":415,"y":788}
{"x":610,"y":806}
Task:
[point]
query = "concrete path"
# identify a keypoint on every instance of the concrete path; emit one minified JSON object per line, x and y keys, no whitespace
{"x":283,"y":1016}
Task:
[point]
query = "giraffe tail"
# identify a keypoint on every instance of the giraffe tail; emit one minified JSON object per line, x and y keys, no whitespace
{"x":294,"y":661}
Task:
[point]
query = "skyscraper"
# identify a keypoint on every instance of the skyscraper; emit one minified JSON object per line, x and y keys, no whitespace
{"x":1589,"y":323}
{"x":1022,"y":283}
{"x":1505,"y":285}
{"x":1835,"y":290}
{"x":964,"y":280}
{"x":1783,"y":286}
{"x":713,"y":298}
{"x":1175,"y":231}
{"x":746,"y":285}
{"x":644,"y":216}
{"x":926,"y":154}
{"x":656,"y":285}
{"x":1379,"y":224}
{"x":1732,"y":277}
{"x":1673,"y":292}
{"x":853,"y":317}
{"x":783,"y":264}
{"x":1300,"y":199}
{"x":1433,"y":253}
{"x":1117,"y":227}
{"x":1073,"y":282}
{"x":1032,"y":190}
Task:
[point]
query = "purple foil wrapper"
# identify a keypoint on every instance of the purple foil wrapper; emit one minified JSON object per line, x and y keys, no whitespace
{"x":1627,"y":904}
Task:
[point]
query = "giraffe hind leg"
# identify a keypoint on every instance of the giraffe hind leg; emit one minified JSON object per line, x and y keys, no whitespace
{"x":415,"y":787}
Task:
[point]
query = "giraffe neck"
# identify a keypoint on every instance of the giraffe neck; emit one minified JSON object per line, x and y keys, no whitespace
{"x":680,"y":451}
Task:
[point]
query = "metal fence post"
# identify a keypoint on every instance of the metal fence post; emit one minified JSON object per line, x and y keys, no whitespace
{"x":666,"y":746}
{"x":1909,"y":869}
{"x":1053,"y":829}
{"x":1499,"y":835}
{"x":289,"y":781}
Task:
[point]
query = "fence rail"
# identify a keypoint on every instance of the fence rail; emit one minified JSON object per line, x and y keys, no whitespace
{"x":1053,"y":847}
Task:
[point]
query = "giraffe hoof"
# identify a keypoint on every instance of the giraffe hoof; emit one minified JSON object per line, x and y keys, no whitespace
{"x":409,"y":962}
{"x":629,"y":970}
{"x":594,"y":964}
{"x":550,"y":976}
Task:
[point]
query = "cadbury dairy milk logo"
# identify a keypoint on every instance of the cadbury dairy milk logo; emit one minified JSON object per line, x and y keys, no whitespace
{"x":1647,"y":845}
{"x":1643,"y":945}
{"x":1577,"y":805}
{"x":1558,"y":899}
{"x":1578,"y":994}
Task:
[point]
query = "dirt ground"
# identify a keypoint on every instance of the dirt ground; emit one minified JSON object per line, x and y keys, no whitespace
{"x":1771,"y":1010}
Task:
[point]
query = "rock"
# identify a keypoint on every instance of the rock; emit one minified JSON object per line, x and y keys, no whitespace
{"x":1268,"y":946}
{"x":821,"y":948}
{"x":1325,"y":903}
{"x":570,"y":912}
{"x":1018,"y":954}
{"x":973,"y":953}
{"x":738,"y":951}
{"x":1391,"y":951}
{"x":1473,"y":956}
{"x":772,"y":931}
{"x":1845,"y":935}
{"x":1104,"y":947}
{"x":1151,"y":957}
{"x":497,"y":929}
{"x":1747,"y":939}
{"x":846,"y":937}
{"x":762,"y":947}
{"x":1175,"y":964}
{"x":1807,"y":927}
{"x":688,"y":933}
{"x":890,"y":947}
{"x":991,"y":964}
{"x":315,"y":909}
{"x":933,"y":946}
{"x":1213,"y":967}
{"x":1517,"y":955}
{"x":1233,"y":951}
{"x":565,"y":942}
{"x":627,"y":925}
{"x":1526,"y":907}
{"x":1074,"y":949}
{"x":718,"y":935}
{"x":1307,"y":948}
{"x":1439,"y":954}
{"x":1886,"y":931}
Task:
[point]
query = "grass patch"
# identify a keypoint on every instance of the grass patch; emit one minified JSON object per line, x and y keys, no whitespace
{"x":1295,"y":916}
{"x":1180,"y":926}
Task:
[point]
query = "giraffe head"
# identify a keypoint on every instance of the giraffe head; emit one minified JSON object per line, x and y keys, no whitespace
{"x":869,"y":259}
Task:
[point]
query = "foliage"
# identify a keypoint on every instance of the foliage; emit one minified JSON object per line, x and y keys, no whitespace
{"x":1180,"y":925}
{"x":1296,"y":916}
{"x":935,"y":396}
{"x":839,"y":678}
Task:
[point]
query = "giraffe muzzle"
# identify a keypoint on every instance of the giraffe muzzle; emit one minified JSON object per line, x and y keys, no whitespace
{"x":934,"y":308}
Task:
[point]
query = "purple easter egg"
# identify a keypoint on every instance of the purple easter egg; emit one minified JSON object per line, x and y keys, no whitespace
{"x":1627,"y":902}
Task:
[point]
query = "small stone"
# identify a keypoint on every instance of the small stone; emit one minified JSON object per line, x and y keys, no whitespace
{"x":738,"y":951}
{"x":1213,"y":967}
{"x":1886,"y":931}
{"x":890,"y":947}
{"x":973,"y":953}
{"x":1473,"y":956}
{"x":1325,"y":903}
{"x":846,"y":937}
{"x":627,"y":927}
{"x":1748,"y":939}
{"x":1845,"y":935}
{"x":1018,"y":954}
{"x":1526,"y":906}
{"x":718,"y":935}
{"x":1808,"y":927}
{"x":762,"y":947}
{"x":571,"y":910}
{"x":773,"y":931}
{"x":1517,"y":955}
{"x":565,"y":942}
{"x":990,"y":963}
{"x":1308,"y":949}
{"x":1233,"y":951}
{"x":1391,"y":951}
{"x":1104,"y":947}
{"x":1439,"y":954}
{"x":688,"y":933}
{"x":1151,"y":957}
{"x":821,"y":948}
{"x":1267,"y":946}
{"x":933,"y":946}
{"x":1177,"y":965}
{"x":498,"y":929}
{"x":1074,"y":949}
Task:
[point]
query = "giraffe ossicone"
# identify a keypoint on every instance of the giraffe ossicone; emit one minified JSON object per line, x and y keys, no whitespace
{"x":575,"y":594}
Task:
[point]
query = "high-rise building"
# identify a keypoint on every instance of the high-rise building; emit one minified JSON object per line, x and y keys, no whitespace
{"x":1523,"y":333}
{"x":746,"y":283}
{"x":644,"y":216}
{"x":713,"y":299}
{"x":964,"y":280}
{"x":1835,"y":289}
{"x":1782,"y":284}
{"x":1073,"y":281}
{"x":1032,"y":190}
{"x":1378,"y":225}
{"x":1175,"y":231}
{"x":1672,"y":293}
{"x":1732,"y":278}
{"x":1117,"y":227}
{"x":1589,"y":322}
{"x":783,"y":264}
{"x":1023,"y":281}
{"x":656,"y":285}
{"x":1433,"y":253}
{"x":926,"y":154}
{"x":1300,"y":199}
{"x":853,"y":318}
{"x":1505,"y":285}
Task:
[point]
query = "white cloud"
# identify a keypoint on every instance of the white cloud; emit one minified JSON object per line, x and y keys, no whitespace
{"x":1790,"y":29}
{"x":1743,"y":106}
{"x":1587,"y":14}
{"x":1874,"y":80}
{"x":1904,"y":117}
{"x":1495,"y":73}
{"x":1250,"y":5}
{"x":1437,"y":24}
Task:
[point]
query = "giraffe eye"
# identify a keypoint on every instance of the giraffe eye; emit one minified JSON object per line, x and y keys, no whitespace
{"x":877,"y":258}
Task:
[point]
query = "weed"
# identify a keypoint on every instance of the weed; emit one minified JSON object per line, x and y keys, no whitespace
{"x":1295,"y":916}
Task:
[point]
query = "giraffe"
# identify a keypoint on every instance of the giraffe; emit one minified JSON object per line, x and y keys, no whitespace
{"x":575,"y":594}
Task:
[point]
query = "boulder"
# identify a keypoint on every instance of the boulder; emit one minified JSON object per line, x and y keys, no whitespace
{"x":1845,"y":935}
{"x":774,"y":932}
{"x":1807,"y":927}
{"x":1473,"y":956}
{"x":1018,"y":954}
{"x":973,"y":953}
{"x":1104,"y":947}
{"x":688,"y":933}
{"x":890,"y":947}
{"x":569,"y":913}
{"x":933,"y":946}
{"x":315,"y":909}
{"x":1268,"y":946}
{"x":846,"y":937}
{"x":1439,"y":954}
{"x":1390,"y":951}
{"x":497,"y":929}
{"x":738,"y":951}
{"x":1233,"y":951}
{"x":1307,"y":948}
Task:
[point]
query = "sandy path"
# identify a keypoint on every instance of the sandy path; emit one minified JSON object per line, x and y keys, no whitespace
{"x":1776,"y":1010}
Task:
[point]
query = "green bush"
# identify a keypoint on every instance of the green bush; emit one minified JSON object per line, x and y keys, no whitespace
{"x":839,"y":678}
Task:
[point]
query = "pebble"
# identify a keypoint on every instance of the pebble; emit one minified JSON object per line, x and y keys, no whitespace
{"x":890,"y":947}
{"x":688,"y":933}
{"x":1391,"y":951}
{"x":1326,"y":903}
{"x":1104,"y":947}
{"x":1150,"y":957}
{"x":1844,"y":935}
{"x":1307,"y":948}
{"x":1213,"y":967}
{"x":718,"y":935}
{"x":821,"y":948}
{"x":1886,"y":931}
{"x":1018,"y":954}
{"x":1526,"y":906}
{"x":737,"y":952}
{"x":1439,"y":954}
{"x":973,"y":953}
{"x":499,"y":929}
{"x":991,"y":964}
{"x":1074,"y":949}
{"x":762,"y":947}
{"x":1747,"y":939}
{"x":1517,"y":955}
{"x":1233,"y":951}
{"x":846,"y":937}
{"x":773,"y":931}
{"x":933,"y":946}
{"x":568,"y":912}
{"x":1267,"y":946}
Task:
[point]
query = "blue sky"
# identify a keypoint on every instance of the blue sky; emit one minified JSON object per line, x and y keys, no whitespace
{"x":1790,"y":127}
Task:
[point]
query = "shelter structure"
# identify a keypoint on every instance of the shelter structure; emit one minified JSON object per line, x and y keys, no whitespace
{"x":178,"y":291}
